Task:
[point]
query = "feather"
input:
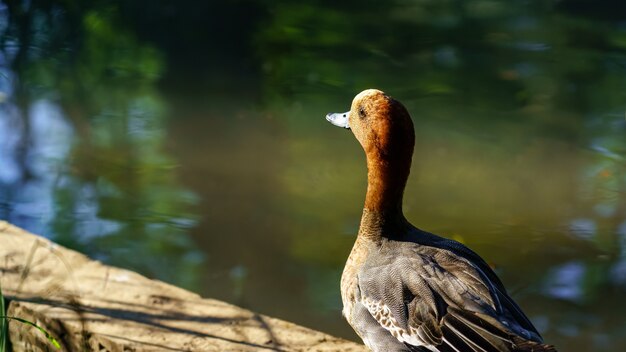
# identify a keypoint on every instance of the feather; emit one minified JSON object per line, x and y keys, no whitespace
{"x":427,"y":298}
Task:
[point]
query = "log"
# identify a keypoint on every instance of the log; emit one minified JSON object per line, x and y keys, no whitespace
{"x":89,"y":306}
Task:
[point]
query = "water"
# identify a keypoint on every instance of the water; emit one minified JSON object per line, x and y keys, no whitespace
{"x":188,"y":142}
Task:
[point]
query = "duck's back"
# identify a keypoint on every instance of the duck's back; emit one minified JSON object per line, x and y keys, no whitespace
{"x":424,"y":290}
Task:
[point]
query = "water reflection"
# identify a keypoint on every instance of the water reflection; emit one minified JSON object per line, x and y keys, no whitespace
{"x":153,"y":141}
{"x":83,"y":144}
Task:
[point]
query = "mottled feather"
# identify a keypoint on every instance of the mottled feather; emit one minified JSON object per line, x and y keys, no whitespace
{"x":431,"y":297}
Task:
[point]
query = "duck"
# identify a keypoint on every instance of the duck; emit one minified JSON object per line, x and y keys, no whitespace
{"x":406,"y":289}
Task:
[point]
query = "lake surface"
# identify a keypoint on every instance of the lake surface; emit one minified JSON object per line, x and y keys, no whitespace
{"x":188,"y":142}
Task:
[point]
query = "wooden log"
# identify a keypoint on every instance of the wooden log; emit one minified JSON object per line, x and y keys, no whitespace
{"x":89,"y":306}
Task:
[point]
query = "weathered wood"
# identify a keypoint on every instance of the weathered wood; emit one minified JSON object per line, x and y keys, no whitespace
{"x":89,"y":306}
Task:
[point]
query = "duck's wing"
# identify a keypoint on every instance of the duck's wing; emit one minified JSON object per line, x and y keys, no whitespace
{"x":503,"y":301}
{"x":427,"y":297}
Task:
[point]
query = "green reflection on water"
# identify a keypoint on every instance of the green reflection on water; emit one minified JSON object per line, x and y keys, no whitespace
{"x":114,"y":194}
{"x":199,"y":153}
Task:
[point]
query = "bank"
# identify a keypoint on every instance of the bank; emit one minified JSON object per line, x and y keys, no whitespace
{"x":89,"y":306}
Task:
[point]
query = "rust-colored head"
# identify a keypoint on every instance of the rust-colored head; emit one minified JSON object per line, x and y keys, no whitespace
{"x":384,"y":128}
{"x":382,"y":125}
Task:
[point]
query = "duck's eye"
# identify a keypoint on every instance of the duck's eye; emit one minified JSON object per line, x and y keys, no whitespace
{"x":361,"y":112}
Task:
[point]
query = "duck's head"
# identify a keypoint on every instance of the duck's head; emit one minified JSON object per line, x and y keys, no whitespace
{"x":384,"y":128}
{"x":380,"y":123}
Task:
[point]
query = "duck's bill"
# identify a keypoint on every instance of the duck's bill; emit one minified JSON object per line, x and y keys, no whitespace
{"x":339,"y":119}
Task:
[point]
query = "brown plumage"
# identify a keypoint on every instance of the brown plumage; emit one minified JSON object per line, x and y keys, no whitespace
{"x":404,"y":289}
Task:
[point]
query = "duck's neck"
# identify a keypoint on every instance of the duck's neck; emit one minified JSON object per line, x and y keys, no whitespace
{"x":386,"y":180}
